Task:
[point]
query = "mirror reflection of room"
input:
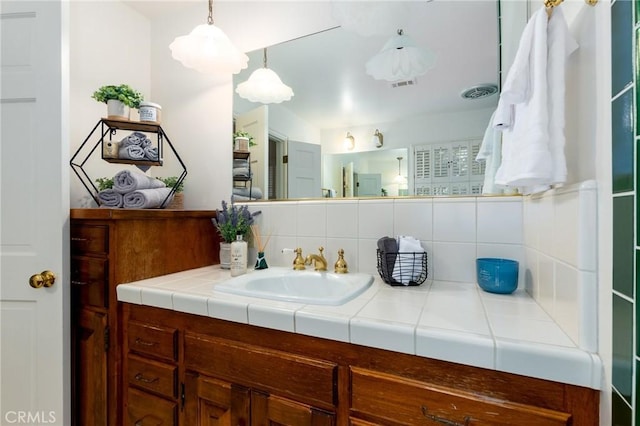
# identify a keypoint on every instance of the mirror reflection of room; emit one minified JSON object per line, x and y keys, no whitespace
{"x":340,"y":133}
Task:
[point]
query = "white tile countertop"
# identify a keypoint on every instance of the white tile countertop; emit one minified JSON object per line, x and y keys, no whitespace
{"x":450,"y":321}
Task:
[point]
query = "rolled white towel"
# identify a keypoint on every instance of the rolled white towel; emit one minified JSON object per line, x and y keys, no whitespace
{"x":151,"y":153}
{"x":110,"y":198}
{"x":408,"y":266}
{"x":147,"y":198}
{"x":128,"y":180}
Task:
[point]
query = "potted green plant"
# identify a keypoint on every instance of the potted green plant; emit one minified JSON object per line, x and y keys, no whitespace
{"x":118,"y":99}
{"x":231,"y":221}
{"x":178,"y":196}
{"x":242,"y":141}
{"x":104,"y":183}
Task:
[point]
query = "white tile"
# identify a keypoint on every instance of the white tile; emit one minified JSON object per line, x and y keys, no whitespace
{"x":521,"y":329}
{"x":546,"y":283}
{"x":545,"y":218}
{"x":454,"y":220}
{"x":500,"y":221}
{"x":524,"y":309}
{"x":530,"y":222}
{"x":312,"y":219}
{"x":464,"y":348}
{"x":398,"y":310}
{"x":565,"y":228}
{"x":342,"y":219}
{"x":567,"y":310}
{"x":588,"y":306}
{"x":454,"y":262}
{"x":383,"y":335}
{"x":588,"y":246}
{"x":367,"y":256}
{"x":560,"y":364}
{"x":229,"y":309}
{"x":129,"y":293}
{"x":315,"y":324}
{"x":190,"y":303}
{"x":284,"y":218}
{"x":457,"y":319}
{"x":158,"y":298}
{"x":279,"y":316}
{"x":531,"y":272}
{"x":413,"y":217}
{"x":375,"y":219}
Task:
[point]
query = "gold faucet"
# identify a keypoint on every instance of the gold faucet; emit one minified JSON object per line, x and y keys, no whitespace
{"x":319,"y":261}
{"x":341,"y":265}
{"x":298,"y":262}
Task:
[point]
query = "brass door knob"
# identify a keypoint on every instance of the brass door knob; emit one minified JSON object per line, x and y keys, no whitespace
{"x":43,"y":279}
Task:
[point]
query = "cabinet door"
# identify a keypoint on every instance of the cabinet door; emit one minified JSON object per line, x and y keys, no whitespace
{"x":212,"y":402}
{"x":148,"y":410}
{"x":90,"y":364}
{"x":270,"y":410}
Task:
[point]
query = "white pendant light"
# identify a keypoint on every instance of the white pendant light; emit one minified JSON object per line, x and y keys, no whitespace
{"x":208,"y":49}
{"x":400,"y":59}
{"x":264,"y":86}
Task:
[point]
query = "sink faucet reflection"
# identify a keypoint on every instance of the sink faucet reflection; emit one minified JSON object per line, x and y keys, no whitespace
{"x":319,"y":262}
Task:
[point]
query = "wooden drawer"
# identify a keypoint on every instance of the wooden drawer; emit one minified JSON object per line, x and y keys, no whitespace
{"x":92,"y":239}
{"x":304,"y":379}
{"x":148,"y":410}
{"x":156,"y":341}
{"x":89,"y":278}
{"x":385,"y":399}
{"x":154,"y":376}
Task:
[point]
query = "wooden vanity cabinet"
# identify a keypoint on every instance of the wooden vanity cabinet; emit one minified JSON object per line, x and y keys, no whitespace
{"x":109,"y":247}
{"x":246,"y":375}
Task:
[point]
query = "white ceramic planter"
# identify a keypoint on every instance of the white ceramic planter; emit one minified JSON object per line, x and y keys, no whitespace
{"x":241,"y":144}
{"x":225,"y":255}
{"x":116,"y":110}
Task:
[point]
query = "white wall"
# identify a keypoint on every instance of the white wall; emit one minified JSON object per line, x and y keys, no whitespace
{"x":102,"y":54}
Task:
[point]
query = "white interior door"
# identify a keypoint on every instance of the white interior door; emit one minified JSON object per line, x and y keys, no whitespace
{"x":304,"y":170}
{"x":34,"y":200}
{"x":368,"y":184}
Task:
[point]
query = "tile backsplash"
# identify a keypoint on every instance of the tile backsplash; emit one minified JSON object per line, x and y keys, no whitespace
{"x":454,"y":231}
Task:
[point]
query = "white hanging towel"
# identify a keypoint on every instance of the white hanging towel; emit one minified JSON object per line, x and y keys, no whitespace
{"x":491,"y":152}
{"x":532,"y":153}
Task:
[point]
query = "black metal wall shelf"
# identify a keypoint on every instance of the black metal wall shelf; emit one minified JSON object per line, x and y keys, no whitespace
{"x":108,"y":128}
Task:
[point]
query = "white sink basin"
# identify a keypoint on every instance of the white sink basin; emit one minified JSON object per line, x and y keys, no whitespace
{"x":310,"y":287}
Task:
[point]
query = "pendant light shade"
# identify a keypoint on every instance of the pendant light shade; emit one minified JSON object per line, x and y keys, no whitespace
{"x":264,"y":86}
{"x":400,"y":59}
{"x":208,"y":49}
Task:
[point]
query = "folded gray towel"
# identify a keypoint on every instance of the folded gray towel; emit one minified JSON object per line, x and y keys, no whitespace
{"x":135,"y":138}
{"x":151,"y":153}
{"x":241,"y":172}
{"x":240,"y":163}
{"x":254,"y":192}
{"x":145,"y":142}
{"x":147,"y":198}
{"x":388,"y":251}
{"x":128,"y":180}
{"x":131,"y":152}
{"x":110,"y":198}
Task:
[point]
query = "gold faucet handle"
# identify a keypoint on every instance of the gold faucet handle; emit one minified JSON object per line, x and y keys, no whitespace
{"x":341,"y":265}
{"x":298,"y":262}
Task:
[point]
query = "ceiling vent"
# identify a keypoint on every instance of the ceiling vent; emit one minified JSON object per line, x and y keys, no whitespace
{"x":403,"y":83}
{"x":480,"y":91}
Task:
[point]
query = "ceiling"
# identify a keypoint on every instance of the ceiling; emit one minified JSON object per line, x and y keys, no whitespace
{"x":327,"y":70}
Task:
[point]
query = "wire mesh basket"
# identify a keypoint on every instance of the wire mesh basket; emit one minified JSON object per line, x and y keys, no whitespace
{"x":402,"y":268}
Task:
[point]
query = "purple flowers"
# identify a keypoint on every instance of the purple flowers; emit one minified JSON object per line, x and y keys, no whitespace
{"x":234,"y":220}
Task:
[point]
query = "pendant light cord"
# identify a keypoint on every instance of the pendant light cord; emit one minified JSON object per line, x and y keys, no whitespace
{"x":264,"y":57}
{"x":210,"y":17}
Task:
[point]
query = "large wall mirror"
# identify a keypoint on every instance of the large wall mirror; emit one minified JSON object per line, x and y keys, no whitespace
{"x":299,"y":147}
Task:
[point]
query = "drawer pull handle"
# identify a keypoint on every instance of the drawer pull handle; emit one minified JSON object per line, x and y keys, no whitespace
{"x":433,"y":417}
{"x":139,"y":377}
{"x":79,"y":282}
{"x":141,"y":342}
{"x":79,"y":239}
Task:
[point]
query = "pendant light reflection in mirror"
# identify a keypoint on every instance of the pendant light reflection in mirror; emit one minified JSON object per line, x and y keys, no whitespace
{"x":264,"y":86}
